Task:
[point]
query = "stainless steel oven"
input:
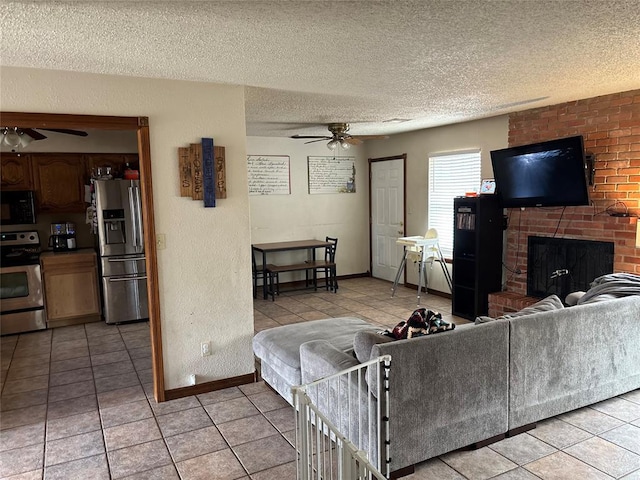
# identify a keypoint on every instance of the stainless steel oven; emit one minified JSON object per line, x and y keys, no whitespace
{"x":21,"y":297}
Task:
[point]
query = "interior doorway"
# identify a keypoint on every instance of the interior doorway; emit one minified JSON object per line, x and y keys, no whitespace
{"x":386,"y":214}
{"x":140,"y":125}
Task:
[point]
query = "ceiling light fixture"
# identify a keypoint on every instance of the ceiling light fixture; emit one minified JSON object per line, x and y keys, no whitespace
{"x":13,"y":137}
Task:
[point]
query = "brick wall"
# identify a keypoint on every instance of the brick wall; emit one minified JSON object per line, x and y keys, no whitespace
{"x":610,"y":126}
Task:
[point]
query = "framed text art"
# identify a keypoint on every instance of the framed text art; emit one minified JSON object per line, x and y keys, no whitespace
{"x":269,"y":175}
{"x":332,"y":175}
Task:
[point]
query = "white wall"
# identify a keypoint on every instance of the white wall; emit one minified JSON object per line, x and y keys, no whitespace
{"x":486,"y":134}
{"x":299,"y":216}
{"x":204,"y":273}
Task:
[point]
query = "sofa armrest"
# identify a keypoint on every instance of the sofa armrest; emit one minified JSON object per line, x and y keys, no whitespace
{"x":318,"y":359}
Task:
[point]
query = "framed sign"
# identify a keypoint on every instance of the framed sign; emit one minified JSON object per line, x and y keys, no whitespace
{"x":332,"y":175}
{"x":269,"y":175}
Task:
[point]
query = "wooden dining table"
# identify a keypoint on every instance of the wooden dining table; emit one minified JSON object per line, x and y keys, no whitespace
{"x":265,"y":248}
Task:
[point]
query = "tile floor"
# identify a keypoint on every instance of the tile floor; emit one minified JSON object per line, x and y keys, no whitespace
{"x":76,"y":403}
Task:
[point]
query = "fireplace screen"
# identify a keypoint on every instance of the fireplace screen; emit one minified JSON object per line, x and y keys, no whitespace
{"x":562,"y":266}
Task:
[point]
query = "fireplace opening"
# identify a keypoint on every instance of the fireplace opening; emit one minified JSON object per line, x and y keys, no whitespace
{"x":561,"y":265}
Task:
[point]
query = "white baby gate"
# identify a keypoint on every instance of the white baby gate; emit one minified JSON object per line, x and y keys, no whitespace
{"x":342,"y":424}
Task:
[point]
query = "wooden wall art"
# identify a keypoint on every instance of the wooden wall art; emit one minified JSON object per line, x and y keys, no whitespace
{"x":203,"y":172}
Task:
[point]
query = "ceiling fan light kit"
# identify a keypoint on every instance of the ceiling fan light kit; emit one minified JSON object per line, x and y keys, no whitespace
{"x":339,"y":137}
{"x":13,"y":137}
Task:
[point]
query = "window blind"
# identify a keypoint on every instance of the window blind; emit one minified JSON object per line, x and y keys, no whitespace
{"x":450,"y":175}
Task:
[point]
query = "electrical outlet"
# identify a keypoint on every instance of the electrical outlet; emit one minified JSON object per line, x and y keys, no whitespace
{"x":161,"y":241}
{"x":205,"y":349}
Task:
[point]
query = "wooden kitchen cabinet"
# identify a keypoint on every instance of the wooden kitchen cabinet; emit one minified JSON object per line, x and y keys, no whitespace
{"x":71,"y":288}
{"x":116,"y":161}
{"x":16,"y":172}
{"x":59,"y":180}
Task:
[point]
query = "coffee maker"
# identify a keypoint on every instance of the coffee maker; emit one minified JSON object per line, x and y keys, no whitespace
{"x":63,"y":236}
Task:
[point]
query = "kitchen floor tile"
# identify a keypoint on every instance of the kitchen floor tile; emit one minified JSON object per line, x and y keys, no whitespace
{"x":21,"y":460}
{"x":254,"y":388}
{"x":625,"y":436}
{"x":265,"y":453}
{"x":478,"y":464}
{"x":102,"y":348}
{"x":24,"y":436}
{"x":138,"y":458}
{"x":231,"y":410}
{"x":183,"y":421}
{"x":220,"y":465}
{"x":171,"y":406}
{"x":620,"y":408}
{"x":591,"y":420}
{"x":110,"y":357}
{"x":561,"y":466}
{"x":605,"y":456}
{"x":121,"y":396}
{"x":73,"y":448}
{"x":73,"y":406}
{"x":434,"y":469}
{"x":168,"y":472}
{"x":220,"y":395}
{"x":70,"y":353}
{"x":22,"y":385}
{"x":283,"y":418}
{"x":633,"y":396}
{"x":73,"y":390}
{"x":139,"y":352}
{"x":195,"y":443}
{"x":268,"y":401}
{"x":128,"y":412}
{"x":71,"y":364}
{"x":94,"y":468}
{"x":132,"y":433}
{"x":558,"y":434}
{"x":32,"y":475}
{"x":15,"y":373}
{"x":23,"y":400}
{"x":70,"y":376}
{"x":73,"y":425}
{"x":288,"y":470}
{"x":30,"y":361}
{"x":522,"y":448}
{"x":246,"y":429}
{"x":116,"y":382}
{"x":110,"y":369}
{"x":23,"y":416}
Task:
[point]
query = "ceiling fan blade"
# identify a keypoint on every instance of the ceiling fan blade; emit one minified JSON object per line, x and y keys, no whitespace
{"x":370,"y":137}
{"x":324,"y":137}
{"x":33,"y":134}
{"x":318,"y":140}
{"x":78,"y":133}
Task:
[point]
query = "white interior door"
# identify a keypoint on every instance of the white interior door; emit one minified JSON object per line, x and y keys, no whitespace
{"x":387,"y":216}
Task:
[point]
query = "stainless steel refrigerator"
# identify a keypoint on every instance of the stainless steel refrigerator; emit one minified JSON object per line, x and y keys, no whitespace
{"x":121,"y":250}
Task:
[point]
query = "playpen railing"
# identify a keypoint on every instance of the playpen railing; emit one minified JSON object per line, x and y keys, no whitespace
{"x":342,"y":424}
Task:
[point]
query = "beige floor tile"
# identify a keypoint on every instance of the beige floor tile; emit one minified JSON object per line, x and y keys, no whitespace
{"x":283,"y":418}
{"x":633,"y":396}
{"x":434,"y":469}
{"x":478,"y":464}
{"x":168,"y":472}
{"x":265,"y":453}
{"x":125,"y":413}
{"x":138,"y":458}
{"x":72,"y":406}
{"x":102,"y":348}
{"x":268,"y":401}
{"x":30,"y":361}
{"x":121,"y":396}
{"x":69,"y":353}
{"x":183,"y":421}
{"x":195,"y":443}
{"x":28,"y":384}
{"x":559,"y":434}
{"x":23,"y":400}
{"x":73,"y":448}
{"x":110,"y":357}
{"x":24,"y":436}
{"x":253,"y":388}
{"x":171,"y":406}
{"x":21,"y":460}
{"x":605,"y":456}
{"x":111,"y":369}
{"x":620,"y":408}
{"x":220,"y":465}
{"x":281,"y":472}
{"x":23,"y":416}
{"x":220,"y":395}
{"x":94,"y":468}
{"x":133,"y":433}
{"x":71,"y":376}
{"x":71,"y":364}
{"x":73,"y":390}
{"x":561,"y":466}
{"x":591,"y":420}
{"x":73,"y":425}
{"x":246,"y":429}
{"x":229,"y":410}
{"x":32,"y":475}
{"x":516,"y":474}
{"x":522,"y":448}
{"x":15,"y":373}
{"x":139,"y":352}
{"x":116,"y":382}
{"x":625,"y":436}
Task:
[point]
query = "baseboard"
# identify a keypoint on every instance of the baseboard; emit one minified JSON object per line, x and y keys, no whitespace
{"x":206,"y":387}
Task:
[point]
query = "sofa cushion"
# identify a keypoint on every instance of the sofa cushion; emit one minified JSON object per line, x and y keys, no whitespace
{"x":280,"y":347}
{"x":364,"y":341}
{"x":552,"y":302}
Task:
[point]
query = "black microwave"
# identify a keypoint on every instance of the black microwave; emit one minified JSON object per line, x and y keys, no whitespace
{"x":17,"y":207}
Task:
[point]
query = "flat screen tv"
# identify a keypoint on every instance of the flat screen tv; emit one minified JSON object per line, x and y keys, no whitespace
{"x":546,"y":174}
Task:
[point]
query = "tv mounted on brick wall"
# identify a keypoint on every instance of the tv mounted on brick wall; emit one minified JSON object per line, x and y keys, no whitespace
{"x":546,"y":174}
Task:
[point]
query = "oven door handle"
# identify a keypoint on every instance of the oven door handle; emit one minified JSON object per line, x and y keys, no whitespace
{"x":127,"y":279}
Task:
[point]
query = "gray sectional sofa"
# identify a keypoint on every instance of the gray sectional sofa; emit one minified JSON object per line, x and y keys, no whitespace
{"x":465,"y":386}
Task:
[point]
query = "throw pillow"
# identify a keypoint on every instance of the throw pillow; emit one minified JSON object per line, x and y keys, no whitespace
{"x":364,"y":341}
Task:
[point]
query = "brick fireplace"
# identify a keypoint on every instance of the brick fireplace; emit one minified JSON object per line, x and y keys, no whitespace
{"x":610,"y":126}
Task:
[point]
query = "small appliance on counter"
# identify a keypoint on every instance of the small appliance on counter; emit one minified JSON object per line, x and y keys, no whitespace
{"x":63,"y":237}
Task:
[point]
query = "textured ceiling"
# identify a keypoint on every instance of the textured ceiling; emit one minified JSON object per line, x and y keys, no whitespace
{"x":307,"y":63}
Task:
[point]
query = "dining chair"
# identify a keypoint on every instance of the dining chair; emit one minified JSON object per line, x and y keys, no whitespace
{"x":257,"y":274}
{"x":328,"y":266}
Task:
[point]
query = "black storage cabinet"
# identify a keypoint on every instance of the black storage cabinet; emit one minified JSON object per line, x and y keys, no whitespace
{"x":477,"y":254}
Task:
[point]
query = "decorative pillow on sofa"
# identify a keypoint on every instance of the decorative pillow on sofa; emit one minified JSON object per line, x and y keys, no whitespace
{"x":364,"y":341}
{"x":552,"y":302}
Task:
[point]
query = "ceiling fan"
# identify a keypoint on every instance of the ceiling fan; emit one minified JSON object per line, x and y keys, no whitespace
{"x":340,"y":136}
{"x":15,"y":137}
